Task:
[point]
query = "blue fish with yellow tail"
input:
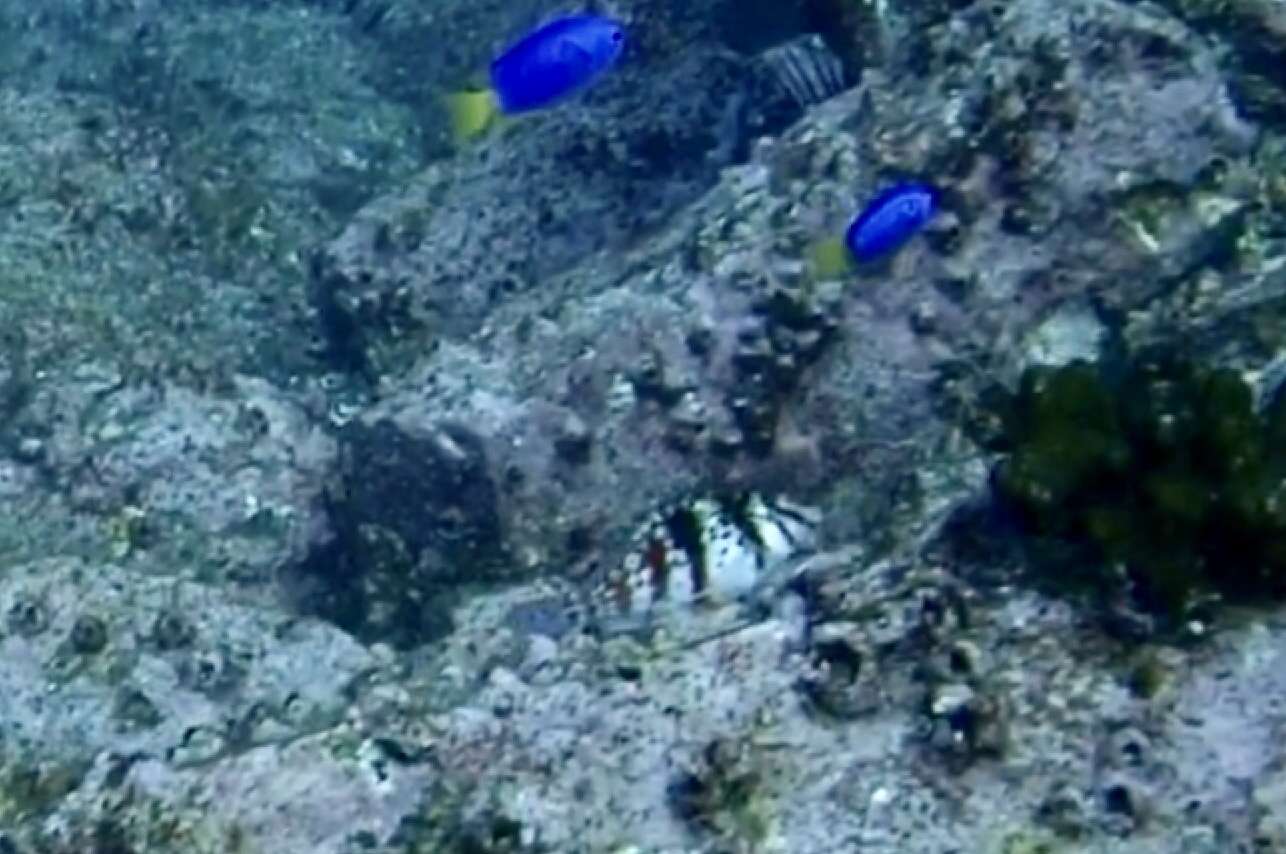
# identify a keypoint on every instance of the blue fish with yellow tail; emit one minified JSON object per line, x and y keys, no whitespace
{"x":548,"y":65}
{"x":889,"y":220}
{"x":558,"y":59}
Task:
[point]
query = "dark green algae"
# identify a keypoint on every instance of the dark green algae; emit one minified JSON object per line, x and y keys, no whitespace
{"x":1150,"y":473}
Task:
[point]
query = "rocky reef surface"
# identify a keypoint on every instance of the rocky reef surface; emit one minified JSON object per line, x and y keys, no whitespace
{"x":319,"y":431}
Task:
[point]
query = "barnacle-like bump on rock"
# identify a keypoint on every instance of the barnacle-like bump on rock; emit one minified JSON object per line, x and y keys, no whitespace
{"x":27,"y":617}
{"x":88,"y":634}
{"x":210,"y":672}
{"x":171,"y":630}
{"x":965,"y":723}
{"x":133,"y":709}
{"x":840,"y":678}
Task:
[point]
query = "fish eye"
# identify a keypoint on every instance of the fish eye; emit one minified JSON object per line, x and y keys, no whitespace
{"x":617,"y":35}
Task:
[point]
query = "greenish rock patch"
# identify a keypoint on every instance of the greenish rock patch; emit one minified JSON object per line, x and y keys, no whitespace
{"x":1148,"y":472}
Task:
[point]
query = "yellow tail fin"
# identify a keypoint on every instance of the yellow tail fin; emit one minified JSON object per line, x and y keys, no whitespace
{"x":471,"y":113}
{"x":829,"y":259}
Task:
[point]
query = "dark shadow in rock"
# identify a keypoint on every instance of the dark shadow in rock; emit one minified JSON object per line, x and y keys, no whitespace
{"x":415,"y":519}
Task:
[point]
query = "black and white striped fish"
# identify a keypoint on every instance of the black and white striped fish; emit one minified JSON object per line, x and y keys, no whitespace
{"x":704,"y":551}
{"x":807,"y":71}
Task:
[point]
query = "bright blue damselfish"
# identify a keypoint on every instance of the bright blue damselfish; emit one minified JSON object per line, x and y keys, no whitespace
{"x":890,"y":220}
{"x":556,"y":60}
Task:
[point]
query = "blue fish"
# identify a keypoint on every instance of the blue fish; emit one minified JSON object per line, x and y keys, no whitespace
{"x":556,"y":60}
{"x":890,"y":220}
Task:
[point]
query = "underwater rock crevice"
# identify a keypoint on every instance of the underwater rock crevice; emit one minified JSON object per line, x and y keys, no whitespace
{"x":414,"y":520}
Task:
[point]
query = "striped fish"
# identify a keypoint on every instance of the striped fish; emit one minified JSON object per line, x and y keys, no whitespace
{"x":807,"y":71}
{"x":704,"y":552}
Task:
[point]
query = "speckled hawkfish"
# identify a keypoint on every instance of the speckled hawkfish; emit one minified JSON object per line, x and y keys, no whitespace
{"x":704,"y":551}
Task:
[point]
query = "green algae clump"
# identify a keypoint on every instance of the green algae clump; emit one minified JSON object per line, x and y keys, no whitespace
{"x":1152,"y":472}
